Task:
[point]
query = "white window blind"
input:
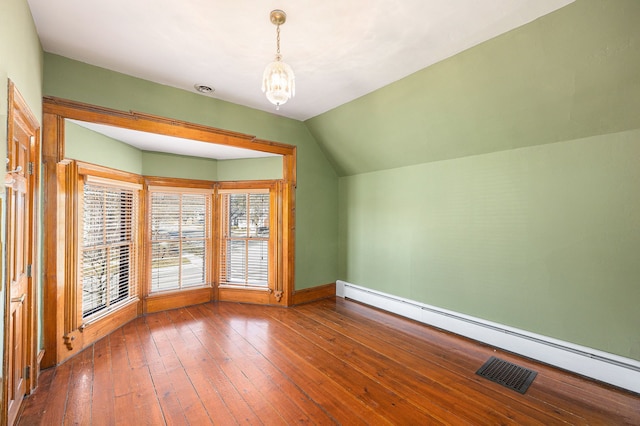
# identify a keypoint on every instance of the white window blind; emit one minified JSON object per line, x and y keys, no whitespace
{"x":179,"y":239}
{"x":108,"y":252}
{"x":244,"y":250}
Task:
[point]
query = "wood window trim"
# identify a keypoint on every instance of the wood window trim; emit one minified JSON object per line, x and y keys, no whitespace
{"x":56,"y":222}
{"x":133,"y":244}
{"x":274,"y":293}
{"x":170,"y":299}
{"x":154,"y":302}
{"x":77,"y":333}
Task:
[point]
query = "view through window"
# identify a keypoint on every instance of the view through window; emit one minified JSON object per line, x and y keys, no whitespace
{"x":180,"y":235}
{"x":108,"y":251}
{"x":245,"y":238}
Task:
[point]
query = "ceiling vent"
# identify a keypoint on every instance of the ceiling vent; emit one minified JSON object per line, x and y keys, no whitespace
{"x":204,"y":89}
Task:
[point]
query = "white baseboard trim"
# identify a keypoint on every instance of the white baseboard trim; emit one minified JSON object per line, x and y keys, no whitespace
{"x":609,"y":368}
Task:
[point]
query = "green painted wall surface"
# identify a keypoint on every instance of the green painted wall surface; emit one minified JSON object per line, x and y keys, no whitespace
{"x":250,"y":169}
{"x":316,"y":195}
{"x":169,"y":165}
{"x":93,"y":147}
{"x":544,"y":238}
{"x":570,"y":74}
{"x":503,"y":182}
{"x":20,"y":61}
{"x":178,"y":166}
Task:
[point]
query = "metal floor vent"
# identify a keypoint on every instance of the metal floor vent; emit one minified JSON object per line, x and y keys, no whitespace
{"x":507,"y":374}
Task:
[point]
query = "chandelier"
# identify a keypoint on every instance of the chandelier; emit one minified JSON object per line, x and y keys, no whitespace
{"x":278,"y":81}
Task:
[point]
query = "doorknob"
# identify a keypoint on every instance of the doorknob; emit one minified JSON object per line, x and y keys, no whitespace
{"x":19,"y":299}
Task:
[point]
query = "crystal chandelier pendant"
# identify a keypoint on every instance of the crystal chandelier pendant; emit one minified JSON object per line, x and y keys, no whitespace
{"x":278,"y":81}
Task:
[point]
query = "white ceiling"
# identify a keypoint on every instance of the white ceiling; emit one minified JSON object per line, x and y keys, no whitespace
{"x":339,"y":49}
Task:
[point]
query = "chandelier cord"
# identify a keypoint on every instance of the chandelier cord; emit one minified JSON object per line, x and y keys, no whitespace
{"x":278,"y":40}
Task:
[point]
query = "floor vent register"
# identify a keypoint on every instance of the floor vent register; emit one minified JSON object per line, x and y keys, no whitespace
{"x":507,"y":374}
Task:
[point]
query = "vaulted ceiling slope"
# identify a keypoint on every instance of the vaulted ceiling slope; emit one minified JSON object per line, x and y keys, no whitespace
{"x":339,"y":50}
{"x":570,"y":74}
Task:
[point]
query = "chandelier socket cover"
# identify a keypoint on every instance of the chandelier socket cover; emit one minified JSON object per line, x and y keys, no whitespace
{"x":278,"y":17}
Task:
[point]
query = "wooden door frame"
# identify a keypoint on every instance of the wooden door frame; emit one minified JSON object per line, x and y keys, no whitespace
{"x":18,"y":109}
{"x":55,"y":111}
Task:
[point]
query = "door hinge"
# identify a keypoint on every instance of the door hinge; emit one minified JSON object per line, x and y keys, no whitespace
{"x":29,"y":271}
{"x":27,"y":372}
{"x":30,"y":167}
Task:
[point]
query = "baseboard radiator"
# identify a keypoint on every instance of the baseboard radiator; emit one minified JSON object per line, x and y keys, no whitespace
{"x":609,"y":368}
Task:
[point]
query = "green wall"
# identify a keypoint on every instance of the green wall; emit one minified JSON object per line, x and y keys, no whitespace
{"x":543,"y":238}
{"x":20,"y":61}
{"x":86,"y":145}
{"x":316,"y":194}
{"x":570,"y":74}
{"x":170,"y":165}
{"x":503,"y":182}
{"x":250,"y":169}
{"x":178,"y":166}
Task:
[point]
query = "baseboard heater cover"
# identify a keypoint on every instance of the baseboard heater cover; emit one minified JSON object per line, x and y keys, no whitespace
{"x":609,"y":368}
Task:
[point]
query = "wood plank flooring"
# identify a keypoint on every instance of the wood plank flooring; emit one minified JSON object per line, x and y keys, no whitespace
{"x":329,"y":362}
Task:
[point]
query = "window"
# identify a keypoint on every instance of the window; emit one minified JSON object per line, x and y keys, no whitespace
{"x":180,"y":238}
{"x":108,"y":252}
{"x":245,"y":238}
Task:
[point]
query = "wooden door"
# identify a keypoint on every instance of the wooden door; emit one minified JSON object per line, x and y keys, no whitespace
{"x":20,"y":183}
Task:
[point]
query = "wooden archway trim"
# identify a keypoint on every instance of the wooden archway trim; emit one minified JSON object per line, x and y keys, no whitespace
{"x":162,"y":125}
{"x":55,"y":111}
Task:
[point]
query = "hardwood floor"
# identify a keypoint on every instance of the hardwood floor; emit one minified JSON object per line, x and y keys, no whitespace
{"x":328,"y":362}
